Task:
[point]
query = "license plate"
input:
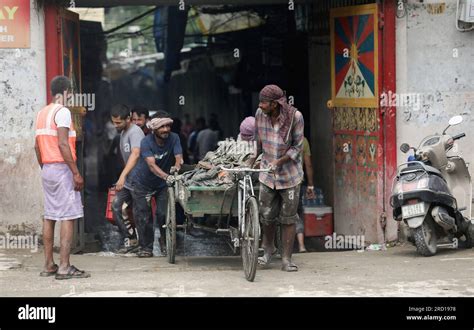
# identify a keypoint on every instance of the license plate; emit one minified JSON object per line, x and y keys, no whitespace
{"x":410,"y":211}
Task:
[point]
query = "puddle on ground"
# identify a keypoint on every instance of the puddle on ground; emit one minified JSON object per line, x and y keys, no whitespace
{"x":201,"y":243}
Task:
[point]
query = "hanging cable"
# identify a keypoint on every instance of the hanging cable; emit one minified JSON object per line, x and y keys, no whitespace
{"x":131,"y":20}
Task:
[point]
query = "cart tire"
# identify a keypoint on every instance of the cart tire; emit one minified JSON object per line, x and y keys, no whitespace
{"x":250,"y":239}
{"x":171,"y":227}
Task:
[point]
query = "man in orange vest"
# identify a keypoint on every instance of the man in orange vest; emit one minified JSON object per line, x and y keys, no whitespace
{"x":55,"y":147}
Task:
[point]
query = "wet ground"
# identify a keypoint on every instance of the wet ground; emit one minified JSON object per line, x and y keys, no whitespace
{"x":201,"y":243}
{"x":398,"y":271}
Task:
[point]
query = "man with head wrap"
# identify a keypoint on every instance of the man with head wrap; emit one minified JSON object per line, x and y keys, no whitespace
{"x":279,"y":134}
{"x":158,"y":153}
{"x":247,"y":130}
{"x":246,"y":141}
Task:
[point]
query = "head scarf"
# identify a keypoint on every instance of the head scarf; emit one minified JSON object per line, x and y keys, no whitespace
{"x":287,"y":111}
{"x":247,"y":129}
{"x":156,"y":123}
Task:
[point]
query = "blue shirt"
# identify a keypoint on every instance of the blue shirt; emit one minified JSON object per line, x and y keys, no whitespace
{"x":164,"y":159}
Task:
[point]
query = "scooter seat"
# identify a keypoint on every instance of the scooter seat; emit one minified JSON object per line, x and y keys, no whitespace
{"x":420,"y":167}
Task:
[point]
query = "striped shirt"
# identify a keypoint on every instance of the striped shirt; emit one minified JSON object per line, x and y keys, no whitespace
{"x":270,"y":143}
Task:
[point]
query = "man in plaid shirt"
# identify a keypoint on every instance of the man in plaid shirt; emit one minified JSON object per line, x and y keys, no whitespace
{"x":279,"y":129}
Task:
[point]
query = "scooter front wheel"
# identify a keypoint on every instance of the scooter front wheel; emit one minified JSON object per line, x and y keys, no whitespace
{"x":425,"y":238}
{"x":466,"y":243}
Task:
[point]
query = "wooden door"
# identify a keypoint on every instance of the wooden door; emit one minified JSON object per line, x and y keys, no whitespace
{"x":358,"y":138}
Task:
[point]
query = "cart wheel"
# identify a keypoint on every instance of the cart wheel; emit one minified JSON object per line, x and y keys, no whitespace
{"x":250,"y":239}
{"x":171,"y":227}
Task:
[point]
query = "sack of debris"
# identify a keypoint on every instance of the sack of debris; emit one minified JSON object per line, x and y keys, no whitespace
{"x":229,"y":154}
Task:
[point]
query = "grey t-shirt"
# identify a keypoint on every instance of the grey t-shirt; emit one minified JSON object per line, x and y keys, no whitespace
{"x":130,"y":139}
{"x":206,"y":141}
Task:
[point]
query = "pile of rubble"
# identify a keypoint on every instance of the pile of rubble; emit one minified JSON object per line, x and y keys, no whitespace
{"x":229,"y":154}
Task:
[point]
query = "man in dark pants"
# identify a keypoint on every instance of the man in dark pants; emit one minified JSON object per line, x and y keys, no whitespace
{"x":158,"y":153}
{"x":130,"y":138}
{"x":279,"y":129}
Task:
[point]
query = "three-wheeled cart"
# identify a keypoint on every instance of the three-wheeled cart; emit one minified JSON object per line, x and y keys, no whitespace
{"x":236,"y":207}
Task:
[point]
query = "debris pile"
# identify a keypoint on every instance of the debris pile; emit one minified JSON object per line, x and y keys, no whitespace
{"x":229,"y":154}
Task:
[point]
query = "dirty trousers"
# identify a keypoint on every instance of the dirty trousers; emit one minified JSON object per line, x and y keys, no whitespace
{"x":121,"y":197}
{"x":142,"y":212}
{"x":279,"y":205}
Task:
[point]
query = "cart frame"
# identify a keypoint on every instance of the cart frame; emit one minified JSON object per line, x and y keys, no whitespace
{"x":198,"y":201}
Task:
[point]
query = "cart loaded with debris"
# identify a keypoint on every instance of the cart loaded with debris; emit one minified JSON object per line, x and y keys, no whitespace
{"x":218,"y":196}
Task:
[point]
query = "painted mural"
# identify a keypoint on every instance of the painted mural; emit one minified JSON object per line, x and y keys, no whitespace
{"x":354,"y":56}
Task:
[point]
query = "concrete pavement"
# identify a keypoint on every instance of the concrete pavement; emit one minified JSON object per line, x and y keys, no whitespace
{"x":396,"y":272}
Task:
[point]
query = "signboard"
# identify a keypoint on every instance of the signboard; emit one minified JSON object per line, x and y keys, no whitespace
{"x":14,"y":23}
{"x":354,"y":56}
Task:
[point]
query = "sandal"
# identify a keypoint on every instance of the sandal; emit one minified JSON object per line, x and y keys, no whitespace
{"x":289,"y":267}
{"x":127,"y":249}
{"x":46,"y":273}
{"x":265,"y":260}
{"x":144,"y":254}
{"x":72,"y":272}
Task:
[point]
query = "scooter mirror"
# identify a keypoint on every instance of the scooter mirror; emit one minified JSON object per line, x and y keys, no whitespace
{"x":456,"y":120}
{"x":404,"y":148}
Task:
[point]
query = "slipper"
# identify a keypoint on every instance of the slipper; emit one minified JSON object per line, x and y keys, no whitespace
{"x":72,"y":272}
{"x":265,"y":261}
{"x":289,"y":267}
{"x":262,"y":261}
{"x":303,"y":251}
{"x":144,"y":254}
{"x":127,"y":249}
{"x":45,"y":273}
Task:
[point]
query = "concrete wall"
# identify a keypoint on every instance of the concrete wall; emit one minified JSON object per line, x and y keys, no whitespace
{"x":435,"y":61}
{"x":321,"y":140}
{"x":22,"y":94}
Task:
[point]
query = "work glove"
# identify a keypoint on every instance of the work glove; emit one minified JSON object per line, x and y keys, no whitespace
{"x":170,"y":180}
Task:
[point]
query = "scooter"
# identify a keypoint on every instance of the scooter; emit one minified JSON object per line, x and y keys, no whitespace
{"x":432,"y":193}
